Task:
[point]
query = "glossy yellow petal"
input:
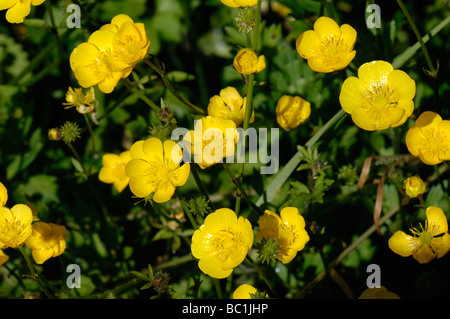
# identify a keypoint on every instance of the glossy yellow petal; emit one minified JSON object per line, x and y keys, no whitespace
{"x":153,"y":149}
{"x":6,"y":4}
{"x":436,"y":220}
{"x":351,"y":94}
{"x":18,"y":12}
{"x":172,"y":151}
{"x":211,"y":266}
{"x":443,"y":245}
{"x":244,"y":291}
{"x":83,"y":54}
{"x":325,"y":27}
{"x":230,"y":3}
{"x":403,"y":84}
{"x":3,"y":258}
{"x":408,"y":108}
{"x":307,"y":44}
{"x":164,"y":192}
{"x":120,"y":19}
{"x":103,"y":40}
{"x":374,"y":72}
{"x":423,"y":254}
{"x":269,"y":225}
{"x":140,"y":187}
{"x":348,"y":35}
{"x":371,"y":120}
{"x":37,"y":2}
{"x":319,"y":64}
{"x":136,"y":167}
{"x":3,"y":195}
{"x":403,"y":244}
{"x":222,"y":218}
{"x":181,"y":175}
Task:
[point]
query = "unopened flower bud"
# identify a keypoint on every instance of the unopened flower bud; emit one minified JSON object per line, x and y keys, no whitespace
{"x":291,"y":111}
{"x":414,"y":186}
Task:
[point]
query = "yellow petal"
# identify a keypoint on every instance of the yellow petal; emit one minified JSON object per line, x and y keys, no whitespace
{"x":37,"y":2}
{"x":103,"y":40}
{"x":307,"y":44}
{"x":221,"y":219}
{"x":3,"y":195}
{"x":408,"y":107}
{"x":6,"y":4}
{"x":318,"y":64}
{"x":109,"y":83}
{"x":211,"y":266}
{"x":172,"y":151}
{"x":443,"y":245}
{"x":436,"y":220}
{"x":182,"y":174}
{"x":370,"y":121}
{"x":351,"y":94}
{"x":326,"y":27}
{"x":403,"y":244}
{"x":136,"y":167}
{"x":18,"y":12}
{"x":244,"y":291}
{"x":41,"y":255}
{"x":83,"y":54}
{"x":403,"y":84}
{"x":374,"y":72}
{"x":348,"y":35}
{"x":164,"y":192}
{"x":153,"y":149}
{"x":106,"y":175}
{"x":424,"y":254}
{"x":140,"y":186}
{"x":120,"y":19}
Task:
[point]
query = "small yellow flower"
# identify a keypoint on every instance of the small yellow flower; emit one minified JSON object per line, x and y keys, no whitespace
{"x":46,"y":241}
{"x":239,"y":3}
{"x":379,"y":98}
{"x":247,"y":62}
{"x":131,"y":43}
{"x":211,"y":141}
{"x":432,"y":241}
{"x":155,"y":169}
{"x":229,"y":105}
{"x":18,"y":10}
{"x":378,"y":293}
{"x":84,"y":103}
{"x":222,"y":242}
{"x":244,"y":291}
{"x":110,"y":53}
{"x":15,"y":225}
{"x":113,"y":170}
{"x":288,"y":229}
{"x":291,"y":111}
{"x":429,"y":138}
{"x":414,"y":186}
{"x":92,"y":62}
{"x":3,"y":195}
{"x":328,"y":47}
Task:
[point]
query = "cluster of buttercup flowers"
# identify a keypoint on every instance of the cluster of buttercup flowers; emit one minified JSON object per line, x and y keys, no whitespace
{"x":17,"y":228}
{"x":110,"y":54}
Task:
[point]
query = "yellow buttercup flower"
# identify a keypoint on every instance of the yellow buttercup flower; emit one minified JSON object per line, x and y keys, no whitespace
{"x":239,"y":3}
{"x":211,"y":141}
{"x":15,"y":225}
{"x":431,"y":241}
{"x":378,"y":293}
{"x":429,"y":138}
{"x":84,"y":103}
{"x":291,"y":111}
{"x":131,"y":43}
{"x":244,"y":291}
{"x":113,"y":170}
{"x":18,"y":10}
{"x":414,"y":186}
{"x":288,"y":229}
{"x":46,"y":241}
{"x":92,"y":62}
{"x":110,"y":54}
{"x":155,"y":169}
{"x":379,"y":98}
{"x":328,"y":47}
{"x":229,"y":105}
{"x":222,"y":242}
{"x":247,"y":62}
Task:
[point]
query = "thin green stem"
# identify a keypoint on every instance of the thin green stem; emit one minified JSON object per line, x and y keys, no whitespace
{"x":78,"y":158}
{"x":169,"y":86}
{"x":261,"y":273}
{"x":140,"y":94}
{"x":419,"y":38}
{"x":34,"y":274}
{"x":186,"y":209}
{"x":91,"y":133}
{"x":200,"y":184}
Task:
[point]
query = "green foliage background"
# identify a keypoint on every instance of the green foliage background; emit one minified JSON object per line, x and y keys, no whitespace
{"x":111,"y":234}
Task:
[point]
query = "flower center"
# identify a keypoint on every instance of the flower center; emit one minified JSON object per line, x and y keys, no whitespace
{"x":436,"y":143}
{"x":161,"y":171}
{"x":227,"y":244}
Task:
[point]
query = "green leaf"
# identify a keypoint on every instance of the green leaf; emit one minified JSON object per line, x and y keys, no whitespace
{"x":140,"y":276}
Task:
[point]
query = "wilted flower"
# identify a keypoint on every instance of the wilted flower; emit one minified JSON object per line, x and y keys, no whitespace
{"x":414,"y":186}
{"x":15,"y":225}
{"x":18,"y":10}
{"x":328,"y":47}
{"x":113,"y":170}
{"x":288,"y":229}
{"x":84,"y":103}
{"x":247,"y":62}
{"x":222,"y":242}
{"x":154,"y":169}
{"x":429,"y":138}
{"x":379,"y":98}
{"x":229,"y":105}
{"x":291,"y":111}
{"x":431,"y":241}
{"x":46,"y":241}
{"x":211,"y":140}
